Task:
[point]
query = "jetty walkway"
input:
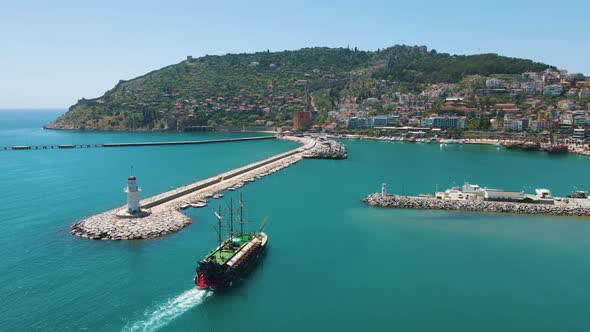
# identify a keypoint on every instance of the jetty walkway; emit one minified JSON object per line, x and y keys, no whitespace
{"x":572,"y":208}
{"x":165,"y":216}
{"x":130,"y":144}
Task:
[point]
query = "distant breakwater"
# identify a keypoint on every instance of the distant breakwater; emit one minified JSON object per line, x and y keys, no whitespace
{"x":132,"y":144}
{"x":409,"y":202}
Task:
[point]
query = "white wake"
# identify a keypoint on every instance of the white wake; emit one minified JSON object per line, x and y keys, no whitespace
{"x":169,"y":311}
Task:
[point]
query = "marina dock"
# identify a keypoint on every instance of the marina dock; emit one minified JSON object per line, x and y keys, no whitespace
{"x":164,"y":209}
{"x":130,"y":144}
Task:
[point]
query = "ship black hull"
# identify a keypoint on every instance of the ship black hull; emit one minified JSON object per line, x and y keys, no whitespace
{"x":221,"y":278}
{"x":557,"y":150}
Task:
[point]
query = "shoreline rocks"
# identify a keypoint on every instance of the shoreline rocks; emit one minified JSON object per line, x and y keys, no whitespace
{"x":319,"y":148}
{"x":406,"y":202}
{"x":109,"y":226}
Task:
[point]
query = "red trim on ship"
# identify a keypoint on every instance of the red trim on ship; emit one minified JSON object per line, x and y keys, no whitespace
{"x":201,"y":281}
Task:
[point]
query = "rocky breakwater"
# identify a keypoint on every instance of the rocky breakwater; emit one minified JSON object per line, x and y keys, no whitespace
{"x":327,"y":150}
{"x":110,"y":226}
{"x":406,"y":202}
{"x":320,"y":148}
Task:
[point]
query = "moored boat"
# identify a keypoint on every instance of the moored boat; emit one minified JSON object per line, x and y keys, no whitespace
{"x":531,"y":146}
{"x":557,"y":149}
{"x":526,"y":146}
{"x":577,"y":194}
{"x":197,"y":205}
{"x":512,"y":145}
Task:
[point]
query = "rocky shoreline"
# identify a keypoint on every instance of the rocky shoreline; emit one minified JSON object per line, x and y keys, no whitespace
{"x":109,"y":226}
{"x":406,"y":202}
{"x":319,"y":149}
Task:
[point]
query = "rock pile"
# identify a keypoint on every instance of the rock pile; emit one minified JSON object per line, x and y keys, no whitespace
{"x":405,"y":202}
{"x":327,"y":150}
{"x":107,"y":226}
{"x":319,"y":147}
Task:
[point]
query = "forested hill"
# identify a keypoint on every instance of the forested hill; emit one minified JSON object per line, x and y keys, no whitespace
{"x":238,"y":89}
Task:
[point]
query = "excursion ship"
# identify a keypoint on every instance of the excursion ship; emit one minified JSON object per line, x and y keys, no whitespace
{"x":557,"y":149}
{"x":554,"y":148}
{"x":235,"y":255}
{"x":526,"y":146}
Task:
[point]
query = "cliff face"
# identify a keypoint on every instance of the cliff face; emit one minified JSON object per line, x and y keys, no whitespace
{"x":240,"y":89}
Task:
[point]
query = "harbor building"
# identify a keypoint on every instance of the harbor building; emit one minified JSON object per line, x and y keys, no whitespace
{"x":472,"y":192}
{"x":503,"y":195}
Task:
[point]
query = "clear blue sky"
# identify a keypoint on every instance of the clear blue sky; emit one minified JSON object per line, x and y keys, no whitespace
{"x":55,"y":52}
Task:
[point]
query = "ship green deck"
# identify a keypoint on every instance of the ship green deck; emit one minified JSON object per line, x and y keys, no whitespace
{"x":227,"y":250}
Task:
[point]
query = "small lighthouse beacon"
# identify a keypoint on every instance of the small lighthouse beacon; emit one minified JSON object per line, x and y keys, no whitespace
{"x":383,"y":189}
{"x":132,"y":191}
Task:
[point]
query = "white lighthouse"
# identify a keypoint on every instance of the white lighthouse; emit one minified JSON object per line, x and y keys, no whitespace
{"x":384,"y":189}
{"x":132,"y":191}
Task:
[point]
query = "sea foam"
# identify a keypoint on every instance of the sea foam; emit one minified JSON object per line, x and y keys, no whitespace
{"x":167,"y":312}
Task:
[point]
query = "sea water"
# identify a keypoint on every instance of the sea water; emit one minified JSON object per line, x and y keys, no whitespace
{"x":332,"y":264}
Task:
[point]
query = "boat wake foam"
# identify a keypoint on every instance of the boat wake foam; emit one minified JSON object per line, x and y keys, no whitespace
{"x":169,"y":311}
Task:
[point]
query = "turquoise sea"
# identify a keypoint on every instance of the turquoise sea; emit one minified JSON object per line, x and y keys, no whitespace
{"x":333,"y":263}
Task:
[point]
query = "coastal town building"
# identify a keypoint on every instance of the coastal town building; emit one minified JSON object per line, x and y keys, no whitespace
{"x":553,"y":90}
{"x":358,"y":122}
{"x":579,"y":134}
{"x":494,"y":83}
{"x":444,"y":122}
{"x":385,"y":120}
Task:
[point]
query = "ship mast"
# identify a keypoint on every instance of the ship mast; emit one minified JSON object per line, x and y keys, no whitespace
{"x":218,"y":215}
{"x":231,"y":217}
{"x":241,"y":216}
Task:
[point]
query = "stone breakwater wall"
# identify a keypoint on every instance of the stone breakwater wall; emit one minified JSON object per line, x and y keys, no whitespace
{"x":327,"y":150}
{"x":166,"y":217}
{"x":107,"y":226}
{"x":320,"y":149}
{"x":188,"y":189}
{"x":405,"y":202}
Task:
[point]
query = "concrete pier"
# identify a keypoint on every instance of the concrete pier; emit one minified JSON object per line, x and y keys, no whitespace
{"x":166,"y":218}
{"x":132,"y":144}
{"x":408,"y":202}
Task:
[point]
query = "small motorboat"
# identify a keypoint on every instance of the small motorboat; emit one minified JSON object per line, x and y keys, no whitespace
{"x":198,"y":205}
{"x":184,"y":206}
{"x":216,"y":196}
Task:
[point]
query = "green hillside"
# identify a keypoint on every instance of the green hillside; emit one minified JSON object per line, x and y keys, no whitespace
{"x":238,"y":89}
